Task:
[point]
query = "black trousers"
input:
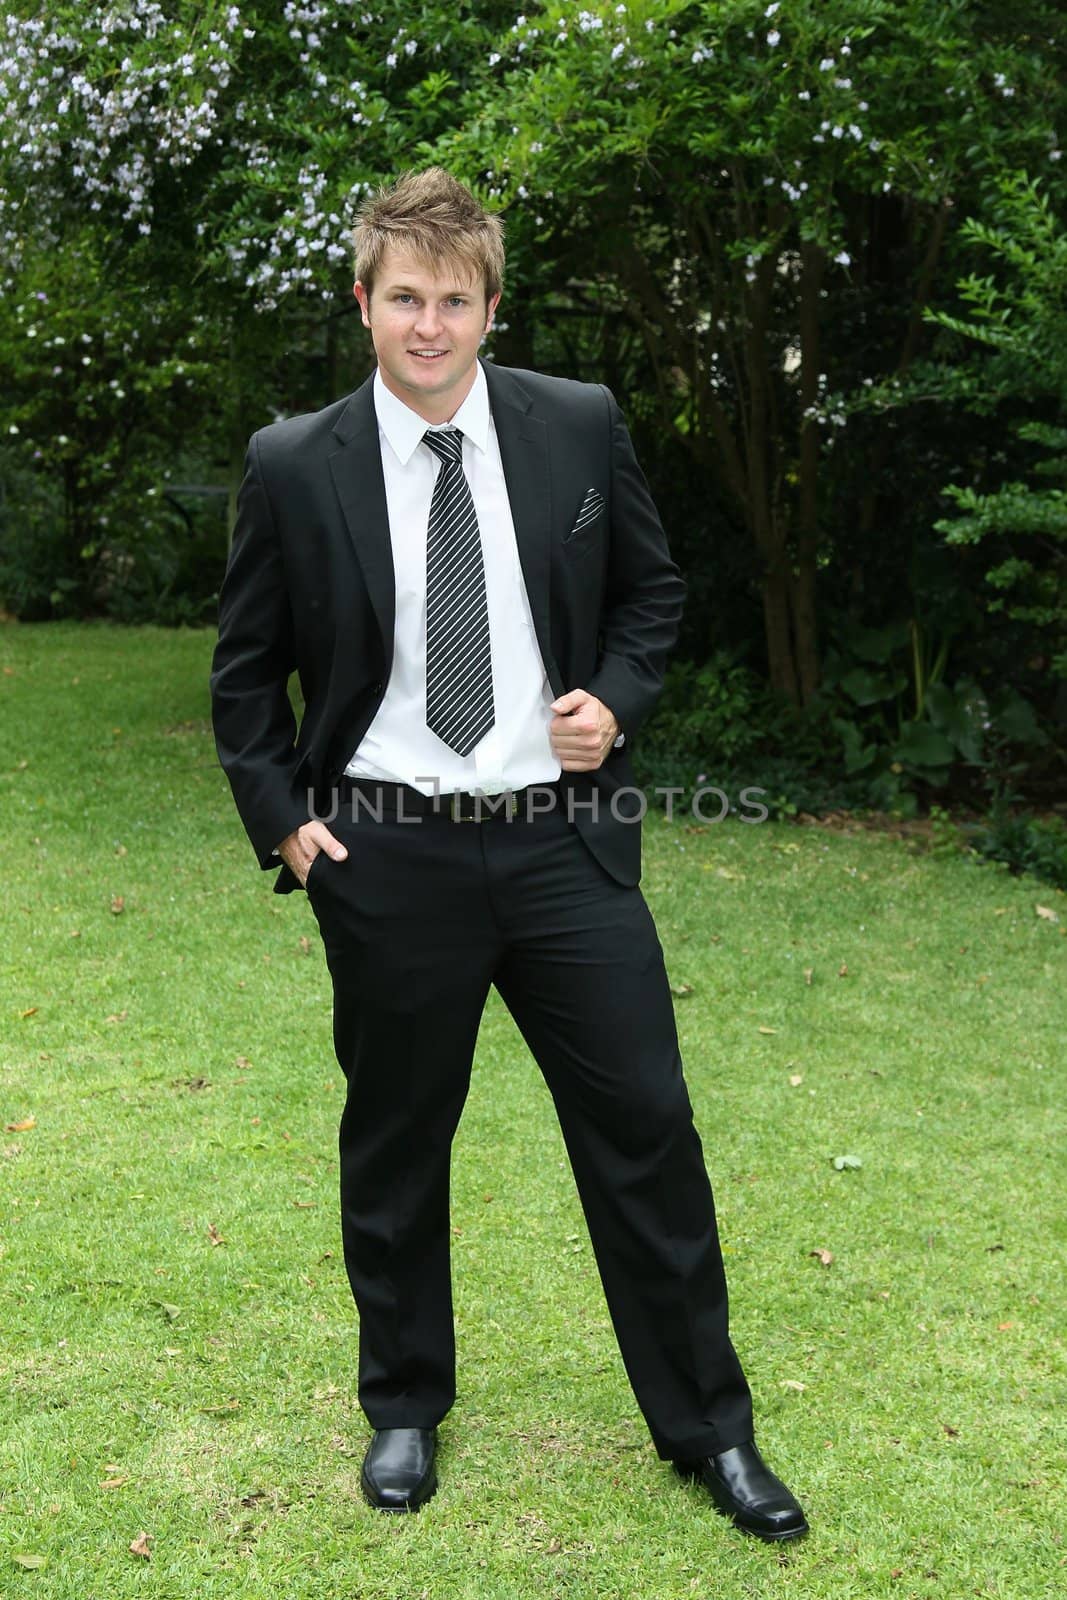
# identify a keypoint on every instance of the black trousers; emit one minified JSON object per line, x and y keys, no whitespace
{"x":417,"y":923}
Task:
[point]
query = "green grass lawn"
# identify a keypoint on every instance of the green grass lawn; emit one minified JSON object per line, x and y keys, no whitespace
{"x":177,"y":1341}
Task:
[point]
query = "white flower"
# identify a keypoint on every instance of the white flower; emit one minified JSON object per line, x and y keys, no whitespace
{"x":617,"y":51}
{"x":843,"y":258}
{"x":772,"y":9}
{"x":826,"y":64}
{"x":773,"y":38}
{"x":390,"y":59}
{"x":804,"y":94}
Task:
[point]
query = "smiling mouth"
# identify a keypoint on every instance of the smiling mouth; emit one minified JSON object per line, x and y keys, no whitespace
{"x":428,"y":355}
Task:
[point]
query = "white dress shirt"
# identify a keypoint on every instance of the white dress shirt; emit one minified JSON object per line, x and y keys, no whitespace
{"x":398,"y":746}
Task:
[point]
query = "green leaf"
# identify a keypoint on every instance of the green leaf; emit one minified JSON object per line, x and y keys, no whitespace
{"x":922,"y":745}
{"x":959,"y":713}
{"x":867,"y":687}
{"x":1015,"y":719}
{"x":847,"y":1163}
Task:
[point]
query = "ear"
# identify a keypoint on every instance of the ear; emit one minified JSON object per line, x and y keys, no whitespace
{"x":491,"y":308}
{"x":362,"y":294}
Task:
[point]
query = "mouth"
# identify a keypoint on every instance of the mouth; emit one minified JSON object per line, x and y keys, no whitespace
{"x":428,"y":355}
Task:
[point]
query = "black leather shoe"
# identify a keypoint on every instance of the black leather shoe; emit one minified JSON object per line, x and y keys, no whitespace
{"x":398,"y":1472}
{"x":744,"y":1488}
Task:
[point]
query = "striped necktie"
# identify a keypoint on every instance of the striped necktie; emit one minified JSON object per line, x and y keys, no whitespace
{"x":459,"y":672}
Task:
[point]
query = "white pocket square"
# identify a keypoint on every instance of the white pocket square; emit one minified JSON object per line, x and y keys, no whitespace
{"x":591,"y":507}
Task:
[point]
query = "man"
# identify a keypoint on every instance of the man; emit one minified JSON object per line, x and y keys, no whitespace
{"x":465,"y":567}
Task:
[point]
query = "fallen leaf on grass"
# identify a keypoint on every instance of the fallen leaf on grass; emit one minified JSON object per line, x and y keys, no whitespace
{"x":227,"y":1405}
{"x":117,"y":1016}
{"x":31,"y":1563}
{"x":30,"y":1011}
{"x":305,"y":944}
{"x":847,"y":1163}
{"x":20,"y":1127}
{"x":681,"y":990}
{"x":762,"y":1029}
{"x":953,"y":1433}
{"x":1047,"y":912}
{"x":1003,"y":1327}
{"x":214,"y":1235}
{"x":808,"y":975}
{"x":304,"y":1205}
{"x":796,"y":1079}
{"x":242,"y":1063}
{"x":139,"y":1546}
{"x":825,"y":1256}
{"x":842,"y":971}
{"x":114,"y":1483}
{"x":118,"y":906}
{"x":794,"y":1384}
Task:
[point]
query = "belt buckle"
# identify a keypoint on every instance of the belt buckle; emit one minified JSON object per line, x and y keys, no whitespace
{"x":481,"y":813}
{"x":456,"y":808}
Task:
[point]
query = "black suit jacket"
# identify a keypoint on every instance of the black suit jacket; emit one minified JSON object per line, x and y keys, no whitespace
{"x":309,"y":588}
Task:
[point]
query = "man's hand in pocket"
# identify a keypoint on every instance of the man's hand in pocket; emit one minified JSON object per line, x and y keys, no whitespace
{"x":301,"y":847}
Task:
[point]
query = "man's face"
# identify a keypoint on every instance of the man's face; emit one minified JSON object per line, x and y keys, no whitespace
{"x":426,"y":325}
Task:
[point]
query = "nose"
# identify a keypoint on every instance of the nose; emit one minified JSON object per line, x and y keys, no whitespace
{"x":428,"y":321}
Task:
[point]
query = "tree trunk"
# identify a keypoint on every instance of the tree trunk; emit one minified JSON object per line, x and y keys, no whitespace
{"x":781,"y":667}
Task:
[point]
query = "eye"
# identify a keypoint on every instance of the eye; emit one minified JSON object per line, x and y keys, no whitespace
{"x":457,"y":300}
{"x":403,"y":299}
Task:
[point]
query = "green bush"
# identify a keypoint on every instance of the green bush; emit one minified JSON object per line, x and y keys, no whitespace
{"x":1025,"y":843}
{"x":36,"y":573}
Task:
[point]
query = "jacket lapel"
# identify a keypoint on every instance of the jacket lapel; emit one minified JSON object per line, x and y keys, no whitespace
{"x":523,"y":441}
{"x":360,"y":484}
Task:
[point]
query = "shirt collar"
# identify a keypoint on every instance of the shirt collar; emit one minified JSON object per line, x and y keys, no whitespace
{"x":404,"y":428}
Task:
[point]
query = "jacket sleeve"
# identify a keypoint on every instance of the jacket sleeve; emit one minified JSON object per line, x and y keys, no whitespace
{"x":645,"y":592}
{"x":255,"y":728}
